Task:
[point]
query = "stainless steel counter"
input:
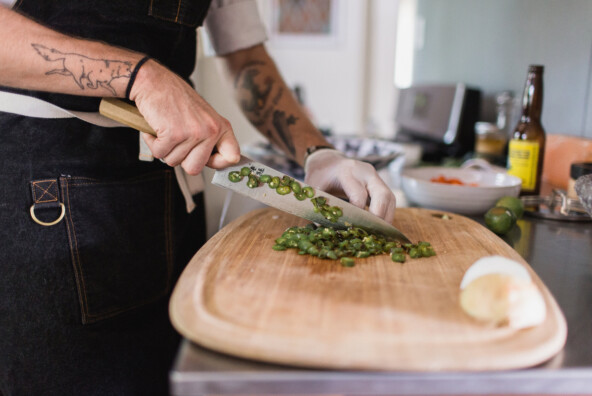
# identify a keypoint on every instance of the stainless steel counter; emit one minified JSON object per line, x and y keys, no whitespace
{"x":561,"y":254}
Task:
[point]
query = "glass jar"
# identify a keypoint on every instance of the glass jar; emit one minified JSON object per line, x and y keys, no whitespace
{"x":490,"y":142}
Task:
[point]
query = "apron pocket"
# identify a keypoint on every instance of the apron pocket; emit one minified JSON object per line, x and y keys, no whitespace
{"x":120,"y":240}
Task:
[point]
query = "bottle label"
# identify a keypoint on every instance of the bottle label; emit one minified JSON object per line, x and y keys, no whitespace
{"x":523,"y":158}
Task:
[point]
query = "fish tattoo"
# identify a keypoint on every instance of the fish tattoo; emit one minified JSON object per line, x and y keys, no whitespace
{"x":94,"y":73}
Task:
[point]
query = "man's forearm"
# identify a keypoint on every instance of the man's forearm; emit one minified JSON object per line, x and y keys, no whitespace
{"x":37,"y":58}
{"x":269,"y":104}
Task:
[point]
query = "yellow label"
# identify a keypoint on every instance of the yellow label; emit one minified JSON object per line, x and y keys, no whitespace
{"x":523,"y":158}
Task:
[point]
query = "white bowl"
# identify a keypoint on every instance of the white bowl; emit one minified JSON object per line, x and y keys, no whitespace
{"x":463,"y":199}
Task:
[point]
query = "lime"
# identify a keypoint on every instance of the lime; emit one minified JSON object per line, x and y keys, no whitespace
{"x":500,"y":220}
{"x":512,"y":203}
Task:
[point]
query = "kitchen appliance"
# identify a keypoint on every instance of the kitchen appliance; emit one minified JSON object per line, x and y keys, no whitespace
{"x":440,"y":118}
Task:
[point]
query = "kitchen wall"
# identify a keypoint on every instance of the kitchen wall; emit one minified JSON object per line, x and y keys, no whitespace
{"x":329,"y":70}
{"x":347,"y":80}
{"x":490,"y":43}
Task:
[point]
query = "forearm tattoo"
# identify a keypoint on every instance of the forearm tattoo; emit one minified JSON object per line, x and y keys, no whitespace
{"x":86,"y":72}
{"x":261,"y":108}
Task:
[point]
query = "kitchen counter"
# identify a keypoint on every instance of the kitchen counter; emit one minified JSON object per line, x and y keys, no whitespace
{"x":561,"y":254}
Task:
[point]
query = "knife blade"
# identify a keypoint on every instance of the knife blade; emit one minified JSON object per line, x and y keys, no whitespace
{"x":352,"y":215}
{"x":129,"y":115}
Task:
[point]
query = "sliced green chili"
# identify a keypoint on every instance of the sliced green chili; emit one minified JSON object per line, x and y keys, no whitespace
{"x":331,"y":255}
{"x":286,"y":180}
{"x":245,"y":171}
{"x":296,"y":187}
{"x":347,"y":262}
{"x":283,"y":190}
{"x":275,"y":182}
{"x":414,"y":252}
{"x":253,"y":182}
{"x":331,"y":244}
{"x":235,"y":176}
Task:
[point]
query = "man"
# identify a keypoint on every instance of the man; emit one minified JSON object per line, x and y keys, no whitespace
{"x":93,"y":239}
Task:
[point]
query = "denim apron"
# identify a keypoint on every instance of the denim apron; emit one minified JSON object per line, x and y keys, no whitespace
{"x":83,"y":302}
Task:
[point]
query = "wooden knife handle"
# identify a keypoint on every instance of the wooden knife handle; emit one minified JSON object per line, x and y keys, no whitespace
{"x":124,"y":113}
{"x":127,"y":114}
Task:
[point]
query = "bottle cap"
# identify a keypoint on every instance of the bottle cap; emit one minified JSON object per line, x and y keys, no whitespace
{"x":536,"y":68}
{"x":580,"y":169}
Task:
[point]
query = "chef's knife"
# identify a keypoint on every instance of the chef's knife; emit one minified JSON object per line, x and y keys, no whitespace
{"x":352,"y":215}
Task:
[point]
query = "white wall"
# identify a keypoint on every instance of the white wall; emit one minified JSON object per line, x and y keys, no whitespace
{"x":332,"y":74}
{"x":380,"y":93}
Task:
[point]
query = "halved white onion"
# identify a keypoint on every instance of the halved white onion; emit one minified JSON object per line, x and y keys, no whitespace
{"x":500,"y":291}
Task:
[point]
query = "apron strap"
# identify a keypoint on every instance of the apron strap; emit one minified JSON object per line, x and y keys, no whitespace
{"x":30,"y":106}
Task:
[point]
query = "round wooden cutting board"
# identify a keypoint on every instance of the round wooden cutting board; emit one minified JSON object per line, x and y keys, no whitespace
{"x":240,"y":297}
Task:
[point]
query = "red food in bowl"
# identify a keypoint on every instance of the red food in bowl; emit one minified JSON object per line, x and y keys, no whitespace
{"x":451,"y":180}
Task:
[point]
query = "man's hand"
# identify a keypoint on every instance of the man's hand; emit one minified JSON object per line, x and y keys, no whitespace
{"x":188,"y":129}
{"x":334,"y":173}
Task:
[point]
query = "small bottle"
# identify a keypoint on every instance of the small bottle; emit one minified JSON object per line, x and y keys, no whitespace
{"x":526,"y":148}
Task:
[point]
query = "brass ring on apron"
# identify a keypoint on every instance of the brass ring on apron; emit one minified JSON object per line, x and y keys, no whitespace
{"x":48,"y":224}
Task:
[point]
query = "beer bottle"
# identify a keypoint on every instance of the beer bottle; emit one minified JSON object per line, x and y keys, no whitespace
{"x":526,"y":148}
